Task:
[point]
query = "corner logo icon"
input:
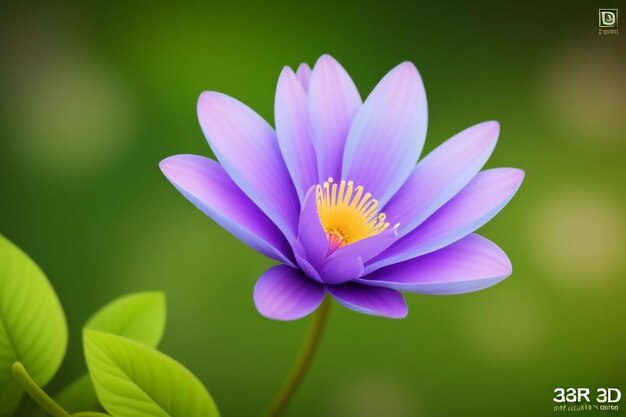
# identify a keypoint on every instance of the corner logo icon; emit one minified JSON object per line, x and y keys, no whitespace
{"x":607,"y":18}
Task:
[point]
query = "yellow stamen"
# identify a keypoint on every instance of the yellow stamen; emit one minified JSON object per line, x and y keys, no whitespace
{"x":347,"y":214}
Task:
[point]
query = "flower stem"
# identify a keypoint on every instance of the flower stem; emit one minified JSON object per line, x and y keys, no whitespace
{"x":36,"y":393}
{"x":302,"y":362}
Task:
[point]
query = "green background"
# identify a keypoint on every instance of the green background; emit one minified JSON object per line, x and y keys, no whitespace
{"x":95,"y":94}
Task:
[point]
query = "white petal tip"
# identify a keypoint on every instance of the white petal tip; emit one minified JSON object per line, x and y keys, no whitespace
{"x":304,"y":67}
{"x":286,"y":71}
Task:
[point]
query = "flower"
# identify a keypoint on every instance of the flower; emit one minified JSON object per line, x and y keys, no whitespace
{"x":335,"y":195}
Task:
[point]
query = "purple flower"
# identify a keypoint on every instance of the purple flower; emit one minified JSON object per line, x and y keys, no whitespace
{"x":334,"y":193}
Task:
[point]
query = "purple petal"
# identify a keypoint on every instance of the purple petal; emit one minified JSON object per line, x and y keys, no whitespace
{"x":387,"y":134}
{"x":247,"y":148}
{"x":341,"y":269}
{"x":306,"y":267}
{"x":347,"y":262}
{"x":375,"y":301}
{"x":284,"y":293}
{"x":205,"y":183}
{"x":300,"y":255}
{"x":369,"y":247}
{"x":474,"y":206}
{"x":304,"y":75}
{"x":441,"y":175}
{"x":470,"y":264}
{"x":293,"y":131}
{"x":311,"y":234}
{"x":333,"y":103}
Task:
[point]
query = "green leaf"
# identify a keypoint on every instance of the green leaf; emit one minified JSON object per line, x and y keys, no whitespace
{"x":133,"y":380}
{"x":33,"y":330}
{"x":140,"y":317}
{"x":90,"y":414}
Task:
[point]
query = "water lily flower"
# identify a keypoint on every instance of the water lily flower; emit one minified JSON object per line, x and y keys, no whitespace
{"x":336,"y":195}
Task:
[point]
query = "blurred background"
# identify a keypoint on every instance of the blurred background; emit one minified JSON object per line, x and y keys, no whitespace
{"x":94,"y":94}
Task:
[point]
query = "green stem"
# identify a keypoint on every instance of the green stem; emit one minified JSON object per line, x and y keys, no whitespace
{"x":36,"y":393}
{"x":302,"y":362}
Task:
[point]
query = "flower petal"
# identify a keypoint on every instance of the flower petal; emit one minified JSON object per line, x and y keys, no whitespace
{"x":304,"y":75}
{"x":474,"y":206}
{"x":441,"y":175}
{"x":306,"y":266}
{"x":387,"y":134}
{"x":333,"y":103}
{"x":341,"y":269}
{"x":347,"y":262}
{"x":470,"y":264}
{"x":246,"y":147}
{"x":375,"y":301}
{"x":311,"y":234}
{"x":205,"y":183}
{"x":284,"y":293}
{"x":369,"y":247}
{"x":293,"y":131}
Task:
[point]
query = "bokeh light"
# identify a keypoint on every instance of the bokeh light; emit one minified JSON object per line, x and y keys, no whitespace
{"x":577,"y":236}
{"x":585,"y":91}
{"x":507,"y":328}
{"x":375,"y":396}
{"x":69,"y":113}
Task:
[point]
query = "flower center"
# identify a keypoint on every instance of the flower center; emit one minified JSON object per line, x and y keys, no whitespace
{"x":347,"y":214}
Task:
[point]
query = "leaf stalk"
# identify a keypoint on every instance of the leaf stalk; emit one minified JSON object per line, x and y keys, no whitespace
{"x":36,"y":393}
